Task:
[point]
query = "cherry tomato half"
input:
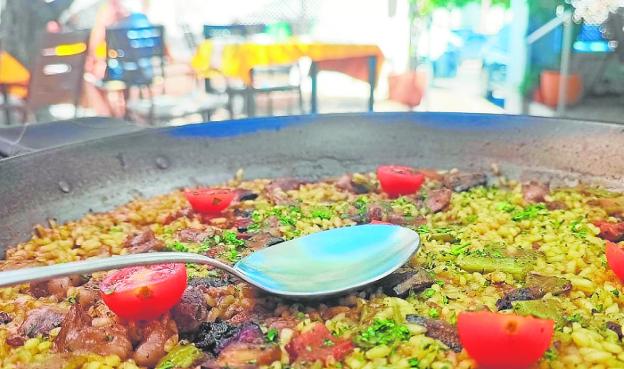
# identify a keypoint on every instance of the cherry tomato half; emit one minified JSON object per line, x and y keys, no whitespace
{"x":210,"y":200}
{"x":398,"y":180}
{"x":504,"y":341}
{"x":615,"y":259}
{"x":144,"y":292}
{"x":318,"y":344}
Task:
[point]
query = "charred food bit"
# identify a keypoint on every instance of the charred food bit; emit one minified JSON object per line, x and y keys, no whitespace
{"x":401,"y":282}
{"x":439,"y":330}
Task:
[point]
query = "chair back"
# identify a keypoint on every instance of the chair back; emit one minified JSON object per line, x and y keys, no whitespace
{"x":57,"y":74}
{"x":232,"y":30}
{"x":135,"y":56}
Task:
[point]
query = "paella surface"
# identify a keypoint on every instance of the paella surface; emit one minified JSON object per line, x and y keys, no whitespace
{"x":500,"y":246}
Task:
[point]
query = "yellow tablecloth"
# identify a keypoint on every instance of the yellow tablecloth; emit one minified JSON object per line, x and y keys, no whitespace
{"x":237,"y":60}
{"x":12,"y":72}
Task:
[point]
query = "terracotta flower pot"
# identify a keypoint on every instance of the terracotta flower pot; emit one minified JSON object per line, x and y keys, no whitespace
{"x":549,"y":88}
{"x":407,"y":88}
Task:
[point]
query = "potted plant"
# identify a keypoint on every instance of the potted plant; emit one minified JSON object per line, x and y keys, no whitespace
{"x":543,"y":77}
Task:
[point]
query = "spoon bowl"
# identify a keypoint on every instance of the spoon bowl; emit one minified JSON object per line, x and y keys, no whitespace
{"x":321,"y":264}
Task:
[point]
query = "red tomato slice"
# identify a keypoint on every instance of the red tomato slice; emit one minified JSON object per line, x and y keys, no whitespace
{"x":318,"y":344}
{"x":398,"y":180}
{"x":144,"y":292}
{"x":613,"y":232}
{"x":210,"y":200}
{"x":615,"y":259}
{"x":504,"y":341}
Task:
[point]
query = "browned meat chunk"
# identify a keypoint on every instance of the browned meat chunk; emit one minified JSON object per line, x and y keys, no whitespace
{"x":154,"y":336}
{"x":460,"y":182}
{"x":438,"y":330}
{"x":519,"y":294}
{"x":55,"y":287}
{"x":534,"y":191}
{"x":536,"y":287}
{"x":195,"y":235}
{"x":78,"y":336}
{"x":142,"y":242}
{"x":262,"y":240}
{"x":191,"y":311}
{"x":613,"y":232}
{"x":615,"y":327}
{"x":347,"y":183}
{"x":549,"y":284}
{"x":41,"y":321}
{"x":556,"y":205}
{"x":5,"y":318}
{"x":438,"y":200}
{"x":401,"y":282}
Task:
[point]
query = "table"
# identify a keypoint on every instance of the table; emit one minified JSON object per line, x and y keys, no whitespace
{"x":14,"y":79}
{"x":236,"y":60}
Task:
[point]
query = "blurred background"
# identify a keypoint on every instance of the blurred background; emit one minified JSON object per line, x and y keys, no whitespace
{"x":167,"y":62}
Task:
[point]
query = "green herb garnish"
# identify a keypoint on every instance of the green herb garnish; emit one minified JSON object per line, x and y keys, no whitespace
{"x":578,"y":228}
{"x":433,"y":313}
{"x":505,"y":206}
{"x":321,"y":213}
{"x":428,"y":293}
{"x":178,"y":246}
{"x":530,"y":212}
{"x":550,"y":354}
{"x":413,"y":362}
{"x":382,"y":332}
{"x":271,"y":335}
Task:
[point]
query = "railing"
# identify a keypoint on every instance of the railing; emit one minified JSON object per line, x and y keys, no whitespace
{"x":565,"y":19}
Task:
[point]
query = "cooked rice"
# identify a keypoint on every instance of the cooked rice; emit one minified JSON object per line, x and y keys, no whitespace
{"x":565,"y":243}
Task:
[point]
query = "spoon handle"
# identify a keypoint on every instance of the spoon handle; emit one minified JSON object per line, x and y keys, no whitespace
{"x":35,"y":274}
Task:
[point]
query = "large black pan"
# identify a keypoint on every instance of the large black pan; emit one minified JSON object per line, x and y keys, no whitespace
{"x":69,"y":181}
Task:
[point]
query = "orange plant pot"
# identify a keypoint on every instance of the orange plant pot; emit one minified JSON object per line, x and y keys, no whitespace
{"x":407,"y":88}
{"x":549,"y":88}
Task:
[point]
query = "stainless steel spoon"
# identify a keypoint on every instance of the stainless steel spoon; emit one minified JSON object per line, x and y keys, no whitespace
{"x":317,"y":265}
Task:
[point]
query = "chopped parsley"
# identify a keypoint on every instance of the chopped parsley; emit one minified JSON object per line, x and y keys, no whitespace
{"x":382,"y":332}
{"x":413,"y":363}
{"x":530,"y":212}
{"x":578,"y":228}
{"x":433,"y":313}
{"x":428,"y":293}
{"x":505,"y":206}
{"x":178,"y":246}
{"x":328,"y":343}
{"x":71,"y":299}
{"x":550,"y":354}
{"x":615,"y":293}
{"x":271,"y":335}
{"x":423,"y":229}
{"x":575,"y":318}
{"x":321,"y":213}
{"x":361,"y":204}
{"x":229,"y":238}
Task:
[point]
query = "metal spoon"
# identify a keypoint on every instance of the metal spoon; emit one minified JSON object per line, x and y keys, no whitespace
{"x":320,"y":264}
